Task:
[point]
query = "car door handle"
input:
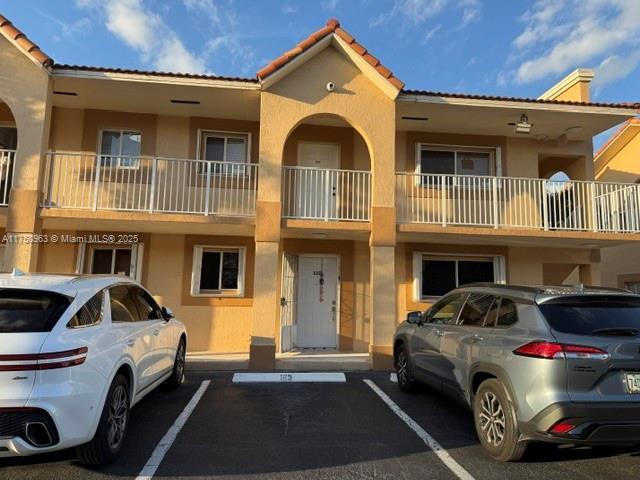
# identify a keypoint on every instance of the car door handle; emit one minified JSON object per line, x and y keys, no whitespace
{"x":156,"y":332}
{"x":131,"y":342}
{"x":439,"y":333}
{"x":477,"y":338}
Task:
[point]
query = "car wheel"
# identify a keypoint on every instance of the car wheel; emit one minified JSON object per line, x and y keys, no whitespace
{"x":112,"y":428}
{"x":496,"y":424}
{"x":177,"y":375}
{"x":406,"y":382}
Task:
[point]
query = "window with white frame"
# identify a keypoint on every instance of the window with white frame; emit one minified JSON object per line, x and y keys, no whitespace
{"x":120,"y":148}
{"x":230,"y":149}
{"x":435,"y":275}
{"x":110,"y":260}
{"x":444,"y":160}
{"x":218,"y":271}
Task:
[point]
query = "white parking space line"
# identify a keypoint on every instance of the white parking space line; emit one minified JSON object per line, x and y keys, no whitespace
{"x":431,"y":442}
{"x":284,"y":377}
{"x":163,"y":446}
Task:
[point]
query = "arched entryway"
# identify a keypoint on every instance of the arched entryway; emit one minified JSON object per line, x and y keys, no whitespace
{"x":8,"y":146}
{"x":326,"y":171}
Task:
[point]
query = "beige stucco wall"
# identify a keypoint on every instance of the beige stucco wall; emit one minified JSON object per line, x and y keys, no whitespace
{"x":623,"y":158}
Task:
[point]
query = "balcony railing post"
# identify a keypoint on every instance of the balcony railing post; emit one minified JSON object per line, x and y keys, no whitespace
{"x":495,"y":201}
{"x":442,"y":202}
{"x":593,"y":206}
{"x":96,"y":187}
{"x":327,"y":194}
{"x":545,"y":205}
{"x":152,"y":196}
{"x":207,"y":190}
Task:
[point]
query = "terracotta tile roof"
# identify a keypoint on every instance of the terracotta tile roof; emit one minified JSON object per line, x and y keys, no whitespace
{"x":426,"y":93}
{"x":612,"y":138}
{"x":87,"y":68}
{"x":8,"y":30}
{"x":332,"y":27}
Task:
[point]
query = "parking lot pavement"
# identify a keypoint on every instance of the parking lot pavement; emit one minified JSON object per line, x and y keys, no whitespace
{"x":316,"y":431}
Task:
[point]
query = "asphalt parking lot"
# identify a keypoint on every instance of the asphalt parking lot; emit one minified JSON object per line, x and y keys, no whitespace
{"x":316,"y":431}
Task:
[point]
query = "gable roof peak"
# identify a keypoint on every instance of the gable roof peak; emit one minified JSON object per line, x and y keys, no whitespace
{"x":332,"y":27}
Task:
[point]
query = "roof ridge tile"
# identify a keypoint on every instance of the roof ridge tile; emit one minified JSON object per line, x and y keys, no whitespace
{"x":10,"y":31}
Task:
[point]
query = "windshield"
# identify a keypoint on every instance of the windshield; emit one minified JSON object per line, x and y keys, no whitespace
{"x":30,"y":310}
{"x":586,"y":315}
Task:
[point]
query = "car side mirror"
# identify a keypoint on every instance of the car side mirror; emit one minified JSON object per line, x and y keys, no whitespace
{"x":167,"y":313}
{"x":414,"y":317}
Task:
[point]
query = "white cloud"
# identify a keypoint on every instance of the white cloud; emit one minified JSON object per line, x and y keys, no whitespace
{"x":431,"y":33}
{"x":207,"y":7}
{"x":133,"y":22}
{"x":288,"y":9}
{"x":329,"y":5}
{"x":558,"y":37}
{"x":417,"y":12}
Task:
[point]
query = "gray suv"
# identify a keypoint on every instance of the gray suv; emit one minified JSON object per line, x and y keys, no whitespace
{"x":552,"y":364}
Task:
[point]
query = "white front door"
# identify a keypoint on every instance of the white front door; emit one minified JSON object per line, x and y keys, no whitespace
{"x":316,"y":188}
{"x":317,"y":306}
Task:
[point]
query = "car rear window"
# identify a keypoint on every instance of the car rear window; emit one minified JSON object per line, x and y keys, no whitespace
{"x":593,"y":315}
{"x":30,"y":310}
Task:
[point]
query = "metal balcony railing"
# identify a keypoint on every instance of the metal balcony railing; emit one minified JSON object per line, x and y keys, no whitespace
{"x":7,"y":160}
{"x":504,"y":202}
{"x":326,"y":194}
{"x":149,"y":184}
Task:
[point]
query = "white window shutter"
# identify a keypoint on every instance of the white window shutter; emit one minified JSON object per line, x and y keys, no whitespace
{"x":82,"y":249}
{"x":499,"y":269}
{"x":417,"y":276}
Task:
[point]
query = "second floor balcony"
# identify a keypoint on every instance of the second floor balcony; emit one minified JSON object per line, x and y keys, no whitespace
{"x":529,"y":203}
{"x":143,"y":184}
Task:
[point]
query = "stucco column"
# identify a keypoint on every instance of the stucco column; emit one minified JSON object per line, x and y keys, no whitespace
{"x":589,"y":274}
{"x":33,"y":122}
{"x":383,"y":306}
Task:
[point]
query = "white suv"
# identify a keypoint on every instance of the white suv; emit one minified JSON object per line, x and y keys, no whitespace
{"x":76,"y":353}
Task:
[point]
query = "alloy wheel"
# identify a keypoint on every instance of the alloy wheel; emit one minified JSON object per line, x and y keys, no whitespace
{"x":180,"y":361}
{"x":402,"y":368}
{"x":492,"y":419}
{"x":117,"y":419}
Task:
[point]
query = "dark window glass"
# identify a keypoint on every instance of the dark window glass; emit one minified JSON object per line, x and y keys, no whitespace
{"x":593,"y":315}
{"x":474,"y":271}
{"x":508,"y":313}
{"x":210,"y":271}
{"x":446,"y":310}
{"x":89,"y":314}
{"x":476,"y":308}
{"x":214,"y":149}
{"x":123,"y":305}
{"x":101,"y":261}
{"x":230,"y":262}
{"x":438,"y":277}
{"x":147,"y":306}
{"x":123,"y":262}
{"x":24,"y":310}
{"x":437,"y":162}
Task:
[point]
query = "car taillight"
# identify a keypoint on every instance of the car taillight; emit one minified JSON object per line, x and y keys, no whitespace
{"x":22,"y":362}
{"x":561,"y":428}
{"x":551,"y":350}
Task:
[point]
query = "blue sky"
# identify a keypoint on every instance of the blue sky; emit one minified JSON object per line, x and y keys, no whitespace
{"x":501,"y":47}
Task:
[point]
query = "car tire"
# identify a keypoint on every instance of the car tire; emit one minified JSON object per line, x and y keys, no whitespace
{"x":495,"y":420}
{"x":402,"y":362}
{"x":177,"y":374}
{"x":112,"y":427}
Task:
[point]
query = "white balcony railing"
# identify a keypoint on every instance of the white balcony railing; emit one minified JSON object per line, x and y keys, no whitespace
{"x":7,"y":159}
{"x":149,"y":184}
{"x":326,"y":194}
{"x":503,"y":202}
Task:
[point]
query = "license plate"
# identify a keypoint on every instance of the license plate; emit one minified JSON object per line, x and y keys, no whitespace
{"x":632,"y":382}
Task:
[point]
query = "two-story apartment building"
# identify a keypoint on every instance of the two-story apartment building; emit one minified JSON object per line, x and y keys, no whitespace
{"x":309,"y":207}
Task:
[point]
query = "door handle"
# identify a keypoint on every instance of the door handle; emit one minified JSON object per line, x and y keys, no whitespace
{"x":439,"y":333}
{"x":156,"y":332}
{"x":477,"y":338}
{"x":131,"y":343}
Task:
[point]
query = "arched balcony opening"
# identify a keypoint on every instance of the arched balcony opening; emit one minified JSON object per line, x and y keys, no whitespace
{"x":326,"y":171}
